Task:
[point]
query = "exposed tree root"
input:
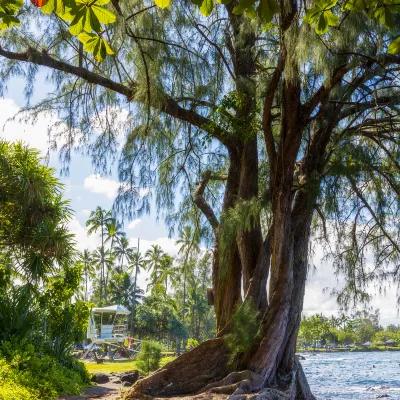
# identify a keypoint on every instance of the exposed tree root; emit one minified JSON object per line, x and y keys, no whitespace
{"x":202,"y":374}
{"x":187,"y":374}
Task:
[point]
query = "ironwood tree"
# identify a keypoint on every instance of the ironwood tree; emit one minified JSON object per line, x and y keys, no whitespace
{"x":274,"y":130}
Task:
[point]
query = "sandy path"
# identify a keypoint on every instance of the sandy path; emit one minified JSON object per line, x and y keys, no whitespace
{"x":106,"y":391}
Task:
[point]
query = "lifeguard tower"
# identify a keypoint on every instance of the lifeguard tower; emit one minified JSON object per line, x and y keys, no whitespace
{"x":107,"y":326}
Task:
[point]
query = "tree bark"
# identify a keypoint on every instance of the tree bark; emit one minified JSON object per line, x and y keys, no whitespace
{"x":227,"y":266}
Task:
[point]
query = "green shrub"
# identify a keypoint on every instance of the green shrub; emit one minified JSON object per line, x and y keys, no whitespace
{"x":37,"y":376}
{"x":149,"y":356}
{"x":191,"y":343}
{"x":245,"y":328}
{"x":12,"y":390}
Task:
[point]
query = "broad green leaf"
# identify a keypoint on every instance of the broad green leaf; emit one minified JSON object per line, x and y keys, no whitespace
{"x":325,"y":4}
{"x":322,"y":26}
{"x":109,"y":50}
{"x":84,"y":37}
{"x":197,"y":2}
{"x":394,"y":47}
{"x":383,"y":15}
{"x":162,"y":3}
{"x":251,"y":13}
{"x":11,"y":7}
{"x":389,"y":19}
{"x":332,"y":18}
{"x":224,"y":1}
{"x":238,"y":10}
{"x":95,"y":44}
{"x":92,"y":23}
{"x":58,"y":6}
{"x":395,"y":9}
{"x":312,"y":15}
{"x":107,"y":17}
{"x":266,"y":10}
{"x":354,"y":5}
{"x":8,"y":21}
{"x":247,"y":3}
{"x":77,"y":24}
{"x":101,"y":2}
{"x":207,"y":7}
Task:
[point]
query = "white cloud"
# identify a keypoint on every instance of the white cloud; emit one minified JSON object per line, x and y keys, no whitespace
{"x":85,"y":212}
{"x":97,"y":184}
{"x":34,"y":135}
{"x":134,"y":224}
{"x":83,"y":240}
{"x":318,"y":300}
{"x":168,"y":245}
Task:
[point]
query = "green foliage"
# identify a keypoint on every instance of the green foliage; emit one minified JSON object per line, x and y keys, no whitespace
{"x":95,"y":44}
{"x":149,"y":356}
{"x":230,"y":116}
{"x":33,"y":215}
{"x":243,"y":217}
{"x":191,"y":343}
{"x":86,"y":18}
{"x":8,"y":10}
{"x":322,"y":16}
{"x":19,"y":313}
{"x":357,"y":329}
{"x":37,"y":375}
{"x":243,"y":333}
{"x":156,"y":318}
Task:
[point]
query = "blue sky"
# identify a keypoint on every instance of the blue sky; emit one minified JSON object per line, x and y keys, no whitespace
{"x":86,"y":191}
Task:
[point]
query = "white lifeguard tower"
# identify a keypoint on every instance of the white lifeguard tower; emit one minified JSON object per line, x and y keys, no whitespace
{"x":106,"y":326}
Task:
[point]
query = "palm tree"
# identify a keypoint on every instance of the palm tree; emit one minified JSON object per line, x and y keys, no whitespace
{"x":138,"y":263}
{"x":123,"y":290}
{"x":166,"y":270}
{"x":113,"y":233}
{"x":123,"y":251}
{"x":189,"y":244}
{"x":98,"y":219}
{"x":153,"y":262}
{"x":102,"y":260}
{"x":88,"y":269}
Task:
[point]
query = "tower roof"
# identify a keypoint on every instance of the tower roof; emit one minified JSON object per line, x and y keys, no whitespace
{"x":118,"y":309}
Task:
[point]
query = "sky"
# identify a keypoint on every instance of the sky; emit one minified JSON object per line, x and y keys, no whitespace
{"x":87,"y":190}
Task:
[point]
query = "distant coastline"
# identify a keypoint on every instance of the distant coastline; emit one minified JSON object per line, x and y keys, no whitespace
{"x":349,"y":350}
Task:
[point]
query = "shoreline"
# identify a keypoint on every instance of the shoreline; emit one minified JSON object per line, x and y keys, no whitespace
{"x":351,"y":350}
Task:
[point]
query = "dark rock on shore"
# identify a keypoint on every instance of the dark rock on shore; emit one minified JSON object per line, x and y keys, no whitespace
{"x":100,"y":378}
{"x":129,"y":376}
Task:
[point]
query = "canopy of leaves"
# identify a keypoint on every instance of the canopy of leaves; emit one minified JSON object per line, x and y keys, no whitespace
{"x":179,"y":79}
{"x":33,"y":214}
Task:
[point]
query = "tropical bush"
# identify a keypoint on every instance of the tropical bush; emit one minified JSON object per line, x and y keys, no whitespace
{"x":27,"y":372}
{"x":149,"y":356}
{"x":191,"y":343}
{"x":38,"y":323}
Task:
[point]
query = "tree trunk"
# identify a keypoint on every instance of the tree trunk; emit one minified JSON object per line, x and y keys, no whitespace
{"x":226,"y":261}
{"x":134,"y":293}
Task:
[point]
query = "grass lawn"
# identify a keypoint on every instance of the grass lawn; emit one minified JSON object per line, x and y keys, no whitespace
{"x":118,"y":366}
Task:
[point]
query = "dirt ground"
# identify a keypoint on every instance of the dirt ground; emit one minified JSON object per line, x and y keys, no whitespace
{"x":111,"y":390}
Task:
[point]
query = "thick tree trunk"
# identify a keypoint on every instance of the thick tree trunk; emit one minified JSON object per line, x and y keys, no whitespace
{"x":249,"y":241}
{"x":227,"y":266}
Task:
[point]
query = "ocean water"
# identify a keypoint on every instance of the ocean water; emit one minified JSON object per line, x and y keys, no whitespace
{"x":342,"y":376}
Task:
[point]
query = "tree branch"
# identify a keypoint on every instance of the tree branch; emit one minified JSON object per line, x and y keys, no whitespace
{"x":202,"y":203}
{"x":374,"y":216}
{"x":267,"y":116}
{"x":168,"y":105}
{"x":42,"y":58}
{"x":323,"y":92}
